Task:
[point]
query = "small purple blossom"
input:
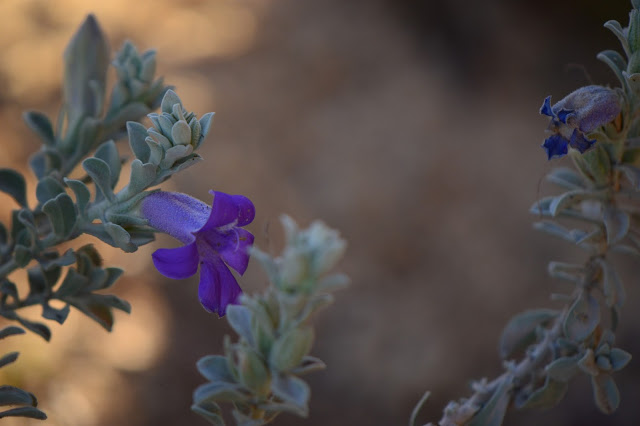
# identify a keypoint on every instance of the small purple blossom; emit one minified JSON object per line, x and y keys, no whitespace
{"x":576,"y":115}
{"x":213,"y":240}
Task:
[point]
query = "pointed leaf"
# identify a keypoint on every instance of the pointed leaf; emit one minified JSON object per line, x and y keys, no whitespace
{"x":519,"y":332}
{"x":292,"y":390}
{"x":492,"y":413}
{"x":62,"y":215}
{"x":36,"y":327}
{"x":8,"y":358}
{"x":239,"y":318}
{"x":41,"y":126}
{"x":616,"y":223}
{"x":11,"y":330}
{"x":12,"y":183}
{"x":605,"y":393}
{"x":619,"y":358}
{"x":100,"y":174}
{"x":108,"y":153}
{"x":210,"y":411}
{"x":547,"y":396}
{"x":28,"y":412}
{"x":10,"y":395}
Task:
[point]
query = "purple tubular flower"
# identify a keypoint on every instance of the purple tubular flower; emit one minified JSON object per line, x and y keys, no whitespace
{"x":579,"y":113}
{"x":213,"y":238}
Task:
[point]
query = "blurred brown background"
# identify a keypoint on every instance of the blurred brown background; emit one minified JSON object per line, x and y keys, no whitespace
{"x":410,"y":125}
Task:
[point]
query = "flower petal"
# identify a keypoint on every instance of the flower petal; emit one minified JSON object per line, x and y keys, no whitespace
{"x":546,"y":107}
{"x":177,"y":263}
{"x":218,"y":287}
{"x":555,"y":146}
{"x":246,"y":209}
{"x":175,"y":213}
{"x":579,"y":142}
{"x":223,"y":211}
{"x":237,"y":255}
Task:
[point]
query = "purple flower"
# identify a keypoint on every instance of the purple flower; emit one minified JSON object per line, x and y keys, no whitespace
{"x":213,"y":239}
{"x":579,"y":113}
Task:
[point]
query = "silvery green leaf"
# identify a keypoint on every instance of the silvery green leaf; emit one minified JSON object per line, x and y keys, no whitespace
{"x":11,"y":330}
{"x":288,"y":350}
{"x":541,"y":207}
{"x":619,"y":358}
{"x":566,"y":271}
{"x":10,"y":395}
{"x":292,"y":390}
{"x":613,"y":288}
{"x":36,"y":327}
{"x":58,"y":315}
{"x":140,"y":237}
{"x":616,"y":62}
{"x":142,"y":175}
{"x":137,"y":134}
{"x":41,"y":126}
{"x":12,"y":183}
{"x":267,"y":263}
{"x":28,"y":412}
{"x":220,"y":391}
{"x":547,"y":396}
{"x":121,"y":238}
{"x":205,"y":125}
{"x":562,"y":369}
{"x":86,"y":60}
{"x":615,"y":27}
{"x":108,"y":153}
{"x":492,"y":413}
{"x":183,"y":163}
{"x":616,"y":223}
{"x":72,"y":284}
{"x":62,"y":214}
{"x":633,"y":32}
{"x":603,"y":363}
{"x":215,"y":368}
{"x":83,"y":195}
{"x":598,"y":164}
{"x":108,"y":300}
{"x":240,"y":318}
{"x":37,"y":282}
{"x":181,"y":133}
{"x":519,"y":332}
{"x":87,"y":138}
{"x":554,"y":229}
{"x":123,"y":219}
{"x":110,"y":276}
{"x":253,"y":372}
{"x":100,"y":174}
{"x":8,"y":358}
{"x":156,"y":151}
{"x":148,"y":69}
{"x":332,"y":283}
{"x":567,"y":178}
{"x":47,"y":189}
{"x":45,"y":161}
{"x":196,"y":132}
{"x":308,"y":364}
{"x":169,"y":100}
{"x":583,"y":318}
{"x":567,"y":199}
{"x":166,"y":124}
{"x":173,"y":154}
{"x":130,"y":112}
{"x":626,"y":249}
{"x":3,"y":235}
{"x":605,"y":393}
{"x":210,"y":411}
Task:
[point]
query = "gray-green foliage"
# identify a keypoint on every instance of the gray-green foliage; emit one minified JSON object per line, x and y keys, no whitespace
{"x":544,"y":349}
{"x":259,"y":373}
{"x":90,"y":121}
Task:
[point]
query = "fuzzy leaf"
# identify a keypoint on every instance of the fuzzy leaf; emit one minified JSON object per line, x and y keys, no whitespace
{"x":520,"y":330}
{"x":12,"y":183}
{"x":108,"y":153}
{"x":619,"y":358}
{"x":293,"y":391}
{"x":220,"y":391}
{"x":47,"y":189}
{"x":547,"y":396}
{"x":492,"y":413}
{"x":137,"y":135}
{"x":62,"y":215}
{"x":82,"y":193}
{"x":10,"y":395}
{"x":100,"y":174}
{"x":287,"y":352}
{"x":29,"y":412}
{"x":41,"y":126}
{"x":239,"y":318}
{"x":605,"y":393}
{"x":210,"y":411}
{"x":215,"y":368}
{"x":563,"y":369}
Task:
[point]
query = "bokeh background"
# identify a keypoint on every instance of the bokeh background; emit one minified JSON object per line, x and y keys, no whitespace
{"x":410,"y":125}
